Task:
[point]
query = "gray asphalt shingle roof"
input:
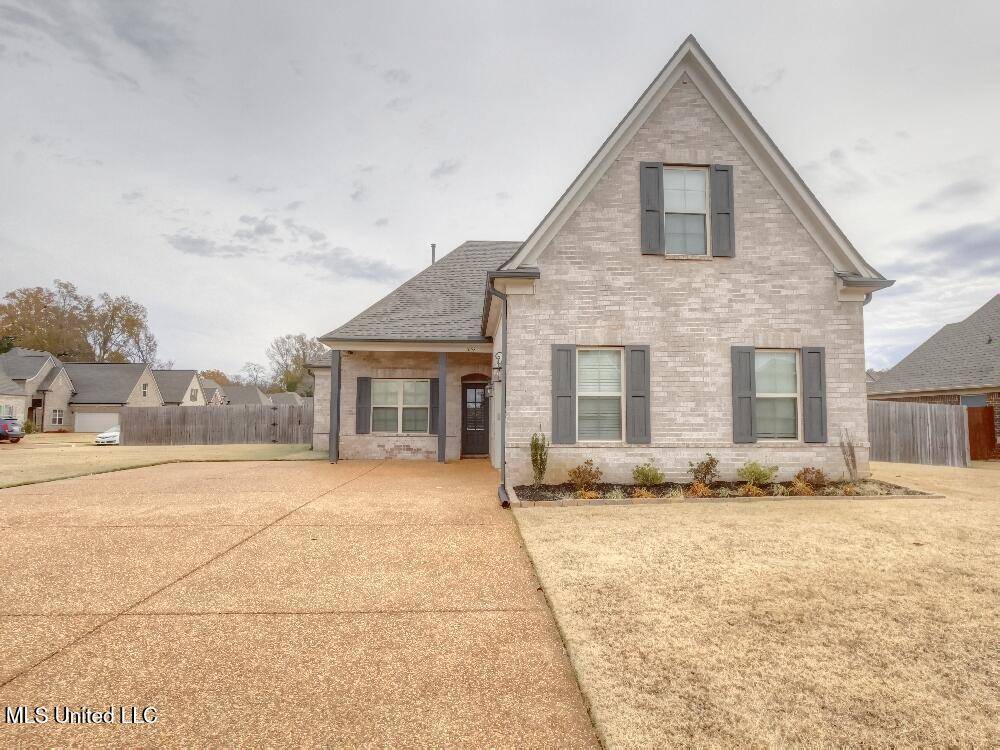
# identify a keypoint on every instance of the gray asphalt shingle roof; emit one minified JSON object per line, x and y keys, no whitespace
{"x":174,"y":384}
{"x":240,"y":395}
{"x":103,"y":382}
{"x":960,"y":355}
{"x":286,"y":398}
{"x":444,"y":302}
{"x":7,"y":386}
{"x":22,"y":366}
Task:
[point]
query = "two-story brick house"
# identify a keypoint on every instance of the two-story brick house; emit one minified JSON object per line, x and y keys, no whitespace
{"x":687,"y":294}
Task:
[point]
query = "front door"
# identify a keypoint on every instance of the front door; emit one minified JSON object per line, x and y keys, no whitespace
{"x":475,"y":420}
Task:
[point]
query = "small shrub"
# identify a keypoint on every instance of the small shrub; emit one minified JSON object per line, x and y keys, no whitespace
{"x":28,"y":427}
{"x":585,"y":476}
{"x":642,"y":493}
{"x":699,"y":489}
{"x":675,"y":493}
{"x":539,"y":457}
{"x":872,"y":488}
{"x":646,"y":475}
{"x":849,"y":489}
{"x":750,"y":490}
{"x":705,"y":472}
{"x":801,"y":488}
{"x":723,"y":492}
{"x":815,"y":478}
{"x":756,"y":475}
{"x":616,"y":493}
{"x":779,"y":490}
{"x":587,"y":495}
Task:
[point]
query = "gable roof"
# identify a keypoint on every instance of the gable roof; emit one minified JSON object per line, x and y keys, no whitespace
{"x":444,"y":302}
{"x":690,"y":60}
{"x":241,"y":395}
{"x":174,"y":384}
{"x":103,"y":382}
{"x":286,"y":398}
{"x":7,"y":386}
{"x":51,"y":378}
{"x":24,"y":364}
{"x":960,"y":355}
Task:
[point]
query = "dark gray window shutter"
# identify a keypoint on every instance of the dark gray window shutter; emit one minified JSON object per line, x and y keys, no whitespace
{"x":637,"y":421}
{"x":563,"y":393}
{"x":363,"y":421}
{"x":814,"y":394}
{"x":723,"y":227}
{"x":435,"y":400}
{"x":651,"y":202}
{"x":743,"y":394}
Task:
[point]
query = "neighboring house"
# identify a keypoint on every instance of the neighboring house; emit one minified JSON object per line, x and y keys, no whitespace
{"x":244,"y":395}
{"x":686,"y":295}
{"x":12,"y":397}
{"x":286,"y":398}
{"x":45,"y":388}
{"x":212,"y":392}
{"x":179,"y":387}
{"x":960,"y":364}
{"x":103,"y":388}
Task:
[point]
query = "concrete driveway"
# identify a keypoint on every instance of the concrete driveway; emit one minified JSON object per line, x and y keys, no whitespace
{"x":280,"y":604}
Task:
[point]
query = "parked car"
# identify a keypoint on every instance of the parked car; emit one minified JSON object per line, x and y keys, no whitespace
{"x":109,"y":437}
{"x":11,"y":429}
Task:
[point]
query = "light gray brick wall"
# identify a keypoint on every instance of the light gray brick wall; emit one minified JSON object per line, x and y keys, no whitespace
{"x":397,"y":365}
{"x":596,"y":288}
{"x":321,"y":410}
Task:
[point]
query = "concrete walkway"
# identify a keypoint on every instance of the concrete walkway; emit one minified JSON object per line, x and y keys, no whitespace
{"x":280,"y":604}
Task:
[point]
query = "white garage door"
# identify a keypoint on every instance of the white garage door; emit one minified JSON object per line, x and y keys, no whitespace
{"x":95,"y":422}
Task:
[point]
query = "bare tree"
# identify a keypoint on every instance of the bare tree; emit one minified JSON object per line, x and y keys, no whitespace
{"x":288,"y":356}
{"x":254,"y":374}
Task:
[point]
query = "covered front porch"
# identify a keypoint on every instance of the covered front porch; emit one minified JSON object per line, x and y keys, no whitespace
{"x":411,"y":401}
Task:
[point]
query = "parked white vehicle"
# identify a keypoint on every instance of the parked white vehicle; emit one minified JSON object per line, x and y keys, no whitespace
{"x":109,"y":437}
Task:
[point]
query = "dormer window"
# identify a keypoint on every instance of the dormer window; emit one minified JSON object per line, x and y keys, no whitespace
{"x":685,"y":207}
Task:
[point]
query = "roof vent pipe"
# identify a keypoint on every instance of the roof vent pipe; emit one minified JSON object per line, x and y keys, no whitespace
{"x":433,"y":252}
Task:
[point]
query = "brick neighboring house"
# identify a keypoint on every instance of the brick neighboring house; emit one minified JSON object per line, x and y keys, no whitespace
{"x":103,"y":388}
{"x":687,"y":294}
{"x":960,"y":364}
{"x":44,"y":389}
{"x":179,"y":387}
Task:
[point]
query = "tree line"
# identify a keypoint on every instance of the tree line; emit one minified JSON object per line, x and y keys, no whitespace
{"x":76,"y":327}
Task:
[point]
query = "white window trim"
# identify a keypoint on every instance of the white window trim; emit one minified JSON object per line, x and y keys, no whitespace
{"x":797,"y":396}
{"x":706,"y":213}
{"x":145,"y":390}
{"x":58,"y":417}
{"x":621,"y":395}
{"x":399,"y":407}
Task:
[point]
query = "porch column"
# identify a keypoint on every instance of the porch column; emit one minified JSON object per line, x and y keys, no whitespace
{"x":442,"y":405}
{"x":334,"y":406}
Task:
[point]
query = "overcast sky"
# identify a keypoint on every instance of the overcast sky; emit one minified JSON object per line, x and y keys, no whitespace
{"x":252,"y":169}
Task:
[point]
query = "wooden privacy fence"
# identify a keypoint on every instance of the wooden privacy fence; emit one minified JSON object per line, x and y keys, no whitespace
{"x":215,"y":425}
{"x":915,"y":433}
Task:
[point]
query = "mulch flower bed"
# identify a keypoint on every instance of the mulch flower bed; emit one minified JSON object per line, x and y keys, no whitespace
{"x":674,"y":490}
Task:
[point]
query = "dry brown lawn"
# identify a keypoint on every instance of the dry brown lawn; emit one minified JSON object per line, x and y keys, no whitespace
{"x":800,"y":621}
{"x":44,"y":457}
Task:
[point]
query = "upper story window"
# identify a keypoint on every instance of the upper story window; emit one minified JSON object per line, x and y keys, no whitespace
{"x":145,"y":390}
{"x":685,"y":207}
{"x":194,"y":394}
{"x":777,"y":403}
{"x":599,"y":394}
{"x":401,"y":406}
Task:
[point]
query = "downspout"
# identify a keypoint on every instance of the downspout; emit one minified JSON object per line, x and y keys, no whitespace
{"x":502,"y":490}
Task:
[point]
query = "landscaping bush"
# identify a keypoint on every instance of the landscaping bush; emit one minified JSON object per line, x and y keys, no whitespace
{"x":28,"y":426}
{"x":616,"y":493}
{"x":751,"y":490}
{"x":587,"y":495}
{"x":699,"y":489}
{"x":642,"y":493}
{"x":815,"y":478}
{"x":675,"y":493}
{"x":779,"y":490}
{"x":647,"y":475}
{"x":723,"y":492}
{"x":756,"y":475}
{"x":585,"y":476}
{"x":801,"y":488}
{"x":539,"y":457}
{"x":849,"y":489}
{"x":706,"y":472}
